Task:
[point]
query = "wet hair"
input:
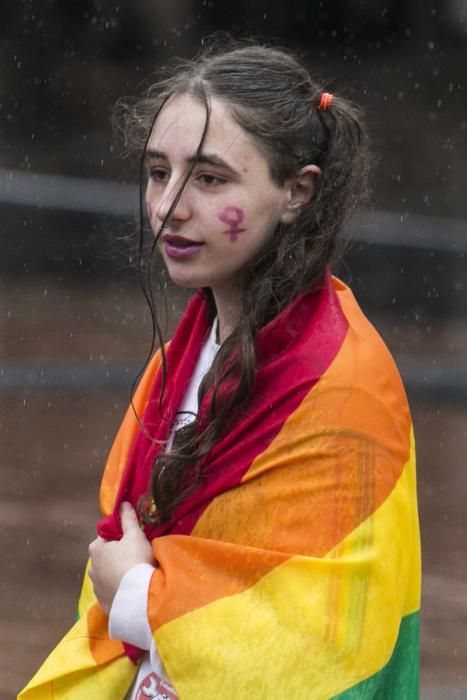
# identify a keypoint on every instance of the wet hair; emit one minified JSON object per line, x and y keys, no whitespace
{"x":271,"y":95}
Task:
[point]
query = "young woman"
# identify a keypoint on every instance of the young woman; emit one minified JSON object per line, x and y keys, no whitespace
{"x":260,"y":531}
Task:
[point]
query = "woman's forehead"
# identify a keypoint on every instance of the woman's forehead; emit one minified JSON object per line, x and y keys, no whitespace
{"x":180,"y":125}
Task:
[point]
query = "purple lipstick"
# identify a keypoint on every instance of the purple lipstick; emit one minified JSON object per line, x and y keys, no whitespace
{"x":178,"y":247}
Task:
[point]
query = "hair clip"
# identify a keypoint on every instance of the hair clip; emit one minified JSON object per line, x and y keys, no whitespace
{"x":325,"y":101}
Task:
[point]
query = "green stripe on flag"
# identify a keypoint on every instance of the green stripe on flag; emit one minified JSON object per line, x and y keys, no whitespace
{"x":399,"y":678}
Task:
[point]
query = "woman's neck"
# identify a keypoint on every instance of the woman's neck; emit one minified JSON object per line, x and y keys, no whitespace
{"x":228,"y":305}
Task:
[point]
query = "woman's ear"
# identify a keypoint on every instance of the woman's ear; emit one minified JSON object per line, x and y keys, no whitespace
{"x":301,"y":190}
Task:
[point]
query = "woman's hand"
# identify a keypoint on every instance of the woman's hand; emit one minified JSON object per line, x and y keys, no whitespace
{"x":111,"y":560}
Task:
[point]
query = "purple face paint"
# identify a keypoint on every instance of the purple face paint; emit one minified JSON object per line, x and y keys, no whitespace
{"x":233,"y":217}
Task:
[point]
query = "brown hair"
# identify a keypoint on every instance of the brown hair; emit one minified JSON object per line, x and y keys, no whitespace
{"x":273,"y":98}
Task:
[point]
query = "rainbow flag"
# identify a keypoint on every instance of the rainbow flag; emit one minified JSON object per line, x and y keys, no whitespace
{"x":294,"y":570}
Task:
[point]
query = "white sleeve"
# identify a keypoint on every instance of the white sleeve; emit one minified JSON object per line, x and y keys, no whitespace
{"x":128,"y":619}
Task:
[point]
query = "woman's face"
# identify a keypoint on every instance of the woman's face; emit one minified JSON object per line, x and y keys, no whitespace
{"x":229,"y":206}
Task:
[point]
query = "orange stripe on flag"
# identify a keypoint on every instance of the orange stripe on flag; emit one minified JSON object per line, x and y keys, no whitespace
{"x":102,"y":648}
{"x":118,"y":456}
{"x":202,"y":571}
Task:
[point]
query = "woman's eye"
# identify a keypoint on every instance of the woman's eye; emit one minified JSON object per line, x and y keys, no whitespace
{"x":210,"y":180}
{"x":158,"y":175}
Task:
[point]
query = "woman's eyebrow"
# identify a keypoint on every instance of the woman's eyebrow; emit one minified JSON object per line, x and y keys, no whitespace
{"x":149,"y":153}
{"x":211,"y":159}
{"x":207,"y":158}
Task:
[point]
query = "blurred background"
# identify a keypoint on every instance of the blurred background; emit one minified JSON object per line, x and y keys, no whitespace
{"x":74,"y":326}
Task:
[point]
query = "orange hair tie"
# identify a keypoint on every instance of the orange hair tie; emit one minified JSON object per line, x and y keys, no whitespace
{"x":325,"y":101}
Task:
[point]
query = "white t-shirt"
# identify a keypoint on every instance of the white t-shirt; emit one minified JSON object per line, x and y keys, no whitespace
{"x":128,"y":620}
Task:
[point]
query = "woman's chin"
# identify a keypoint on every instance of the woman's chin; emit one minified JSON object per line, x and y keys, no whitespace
{"x":186,"y":280}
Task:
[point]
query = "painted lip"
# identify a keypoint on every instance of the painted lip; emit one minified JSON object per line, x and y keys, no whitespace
{"x":179,"y":247}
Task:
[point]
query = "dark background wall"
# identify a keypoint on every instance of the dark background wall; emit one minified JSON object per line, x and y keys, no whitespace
{"x":63,"y":66}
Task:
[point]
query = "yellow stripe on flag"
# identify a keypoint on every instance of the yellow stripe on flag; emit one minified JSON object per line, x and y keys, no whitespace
{"x":71,"y":673}
{"x":312,"y":627}
{"x":111,"y":681}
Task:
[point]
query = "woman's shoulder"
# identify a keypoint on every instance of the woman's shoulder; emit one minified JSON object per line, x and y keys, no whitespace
{"x":364,"y":361}
{"x":362,"y":334}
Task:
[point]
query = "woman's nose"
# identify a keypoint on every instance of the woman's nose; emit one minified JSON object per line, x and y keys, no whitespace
{"x":173,"y":205}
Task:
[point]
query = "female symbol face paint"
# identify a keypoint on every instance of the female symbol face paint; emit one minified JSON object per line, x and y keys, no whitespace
{"x":233,"y":217}
{"x":228,"y":199}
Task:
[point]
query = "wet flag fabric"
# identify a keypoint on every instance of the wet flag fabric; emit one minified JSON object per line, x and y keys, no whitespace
{"x":294,"y":569}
